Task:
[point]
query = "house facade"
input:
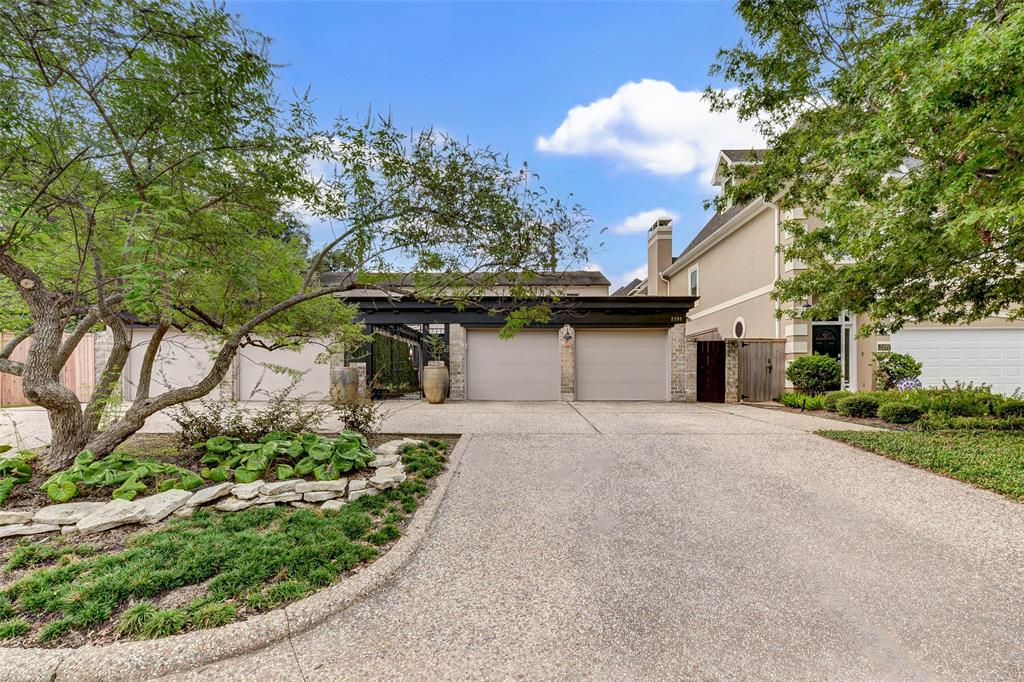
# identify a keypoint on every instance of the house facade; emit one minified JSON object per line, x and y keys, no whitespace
{"x":733,"y":264}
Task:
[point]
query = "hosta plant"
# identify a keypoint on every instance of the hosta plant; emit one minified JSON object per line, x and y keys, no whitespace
{"x":13,"y":470}
{"x":130,"y":476}
{"x":289,"y":454}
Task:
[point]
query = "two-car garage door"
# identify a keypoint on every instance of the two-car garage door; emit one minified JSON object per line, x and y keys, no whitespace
{"x":610,"y":365}
{"x":994,"y":357}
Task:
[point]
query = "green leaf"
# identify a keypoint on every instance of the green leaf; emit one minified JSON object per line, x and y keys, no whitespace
{"x":246,"y":475}
{"x":216,"y":474}
{"x":61,"y":491}
{"x":85,"y":457}
{"x":305,"y":466}
{"x":129,"y":489}
{"x":284,"y":472}
{"x":6,"y":486}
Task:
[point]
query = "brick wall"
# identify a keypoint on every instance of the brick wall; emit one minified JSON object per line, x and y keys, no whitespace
{"x":732,"y":370}
{"x":567,"y":360}
{"x":682,"y":365}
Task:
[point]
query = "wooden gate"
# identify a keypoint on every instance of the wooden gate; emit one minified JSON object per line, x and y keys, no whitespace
{"x":711,"y":371}
{"x":762,"y":369}
{"x":78,"y":373}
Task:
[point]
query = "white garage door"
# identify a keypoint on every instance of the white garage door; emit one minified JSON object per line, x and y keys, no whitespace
{"x":263,"y":374}
{"x":525,"y":367}
{"x":183,"y":359}
{"x":622,"y":365}
{"x":994,"y":357}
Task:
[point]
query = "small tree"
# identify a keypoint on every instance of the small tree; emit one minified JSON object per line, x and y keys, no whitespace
{"x":892,"y":367}
{"x":149,"y":172}
{"x":815,"y":374}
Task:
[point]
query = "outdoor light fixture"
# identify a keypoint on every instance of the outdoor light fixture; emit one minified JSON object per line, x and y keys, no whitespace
{"x":568,"y":335}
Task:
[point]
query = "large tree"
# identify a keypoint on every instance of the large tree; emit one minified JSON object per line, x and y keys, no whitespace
{"x":149,"y":172}
{"x":900,"y":123}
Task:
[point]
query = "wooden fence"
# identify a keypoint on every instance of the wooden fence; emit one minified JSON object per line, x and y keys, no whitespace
{"x":78,"y":374}
{"x":762,"y":369}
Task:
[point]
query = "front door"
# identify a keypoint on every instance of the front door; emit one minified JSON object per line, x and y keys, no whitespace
{"x":711,"y":371}
{"x":827,"y":340}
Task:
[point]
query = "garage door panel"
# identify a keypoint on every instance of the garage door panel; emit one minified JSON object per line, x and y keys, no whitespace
{"x":621,"y":365}
{"x":525,"y":367}
{"x":994,"y":357}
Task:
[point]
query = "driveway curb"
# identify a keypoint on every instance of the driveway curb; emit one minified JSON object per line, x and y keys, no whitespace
{"x":138,"y":660}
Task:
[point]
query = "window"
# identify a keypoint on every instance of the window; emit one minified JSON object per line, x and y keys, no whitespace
{"x":693,"y":281}
{"x":737,"y":328}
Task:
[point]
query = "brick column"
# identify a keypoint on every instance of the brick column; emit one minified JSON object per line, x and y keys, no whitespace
{"x":567,"y":360}
{"x":456,"y":362}
{"x":103,"y":343}
{"x":682,"y":365}
{"x":732,"y":370}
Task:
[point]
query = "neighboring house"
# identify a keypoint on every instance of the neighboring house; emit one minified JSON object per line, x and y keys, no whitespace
{"x":595,"y":347}
{"x":732,"y":265}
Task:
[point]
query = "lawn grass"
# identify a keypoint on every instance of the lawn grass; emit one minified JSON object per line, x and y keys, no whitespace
{"x":244,"y":563}
{"x":993,"y":460}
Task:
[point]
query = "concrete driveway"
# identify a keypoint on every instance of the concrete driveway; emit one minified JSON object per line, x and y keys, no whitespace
{"x":669,"y":541}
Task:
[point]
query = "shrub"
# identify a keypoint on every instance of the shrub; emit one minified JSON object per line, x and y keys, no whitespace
{"x":862,"y":405}
{"x":801,"y":401}
{"x":1011,"y":408}
{"x":360,"y":414}
{"x":958,"y":400}
{"x":220,"y":417}
{"x":815,"y":373}
{"x":899,"y":413}
{"x":893,"y":367}
{"x":829,"y":400}
{"x":295,"y":455}
{"x":941,"y":422}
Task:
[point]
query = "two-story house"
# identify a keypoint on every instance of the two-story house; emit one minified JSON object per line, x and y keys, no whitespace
{"x":733,"y":263}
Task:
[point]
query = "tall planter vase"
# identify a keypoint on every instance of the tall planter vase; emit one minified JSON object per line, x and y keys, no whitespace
{"x":344,"y":384}
{"x":435,"y":382}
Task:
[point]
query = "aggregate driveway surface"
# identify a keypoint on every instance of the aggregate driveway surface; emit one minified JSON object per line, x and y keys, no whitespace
{"x":657,"y":541}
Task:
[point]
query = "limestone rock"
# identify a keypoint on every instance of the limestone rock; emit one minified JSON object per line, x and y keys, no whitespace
{"x":302,"y":505}
{"x":356,"y":494}
{"x":158,"y":507}
{"x":321,"y":486}
{"x":279,"y":487}
{"x":332,"y":505}
{"x":16,"y":529}
{"x":66,"y":514}
{"x":387,"y":477}
{"x":320,"y":496}
{"x":113,"y":514}
{"x":233,"y":504}
{"x":356,"y":484}
{"x":391,"y":447}
{"x":247,"y":491}
{"x":389,"y":461}
{"x":211,"y":493}
{"x":69,"y":530}
{"x":184,"y":512}
{"x":15,"y":517}
{"x":283,"y":497}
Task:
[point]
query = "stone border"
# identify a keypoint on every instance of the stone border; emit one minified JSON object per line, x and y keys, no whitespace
{"x":136,"y":660}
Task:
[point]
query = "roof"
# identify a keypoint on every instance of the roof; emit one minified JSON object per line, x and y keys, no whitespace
{"x":742,"y":155}
{"x":626,"y":288}
{"x":712,"y":226}
{"x":408,"y":279}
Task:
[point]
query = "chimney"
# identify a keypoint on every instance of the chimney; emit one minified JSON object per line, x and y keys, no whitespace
{"x":659,"y":255}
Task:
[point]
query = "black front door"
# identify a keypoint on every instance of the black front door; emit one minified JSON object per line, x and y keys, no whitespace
{"x":711,"y":371}
{"x":826,"y":340}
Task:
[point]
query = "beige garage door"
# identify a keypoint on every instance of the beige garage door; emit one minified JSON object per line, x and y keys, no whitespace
{"x":622,"y":365}
{"x":524,"y":367}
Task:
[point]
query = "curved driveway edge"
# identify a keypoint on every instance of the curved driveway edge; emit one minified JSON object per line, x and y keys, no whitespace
{"x":137,"y":660}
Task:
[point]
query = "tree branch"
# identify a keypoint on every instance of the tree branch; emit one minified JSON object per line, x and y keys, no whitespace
{"x":146,"y":371}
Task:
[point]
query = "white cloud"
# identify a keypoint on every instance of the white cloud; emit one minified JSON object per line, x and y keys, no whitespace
{"x":591,"y":267}
{"x":640,"y":222}
{"x":627,"y":277}
{"x":652,"y":126}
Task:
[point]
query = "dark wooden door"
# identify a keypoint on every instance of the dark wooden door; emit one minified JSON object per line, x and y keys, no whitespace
{"x":711,"y":371}
{"x":825,"y":340}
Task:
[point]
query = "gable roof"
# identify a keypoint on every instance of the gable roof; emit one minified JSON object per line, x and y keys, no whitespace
{"x":625,"y":289}
{"x":742,"y":155}
{"x":712,"y":226}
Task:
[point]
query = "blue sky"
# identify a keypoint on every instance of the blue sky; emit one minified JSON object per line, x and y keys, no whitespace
{"x":602,"y":99}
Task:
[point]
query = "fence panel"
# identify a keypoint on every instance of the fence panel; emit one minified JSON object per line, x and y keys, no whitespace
{"x":762,"y":367}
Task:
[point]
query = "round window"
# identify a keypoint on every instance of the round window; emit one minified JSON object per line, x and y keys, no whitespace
{"x":737,"y":328}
